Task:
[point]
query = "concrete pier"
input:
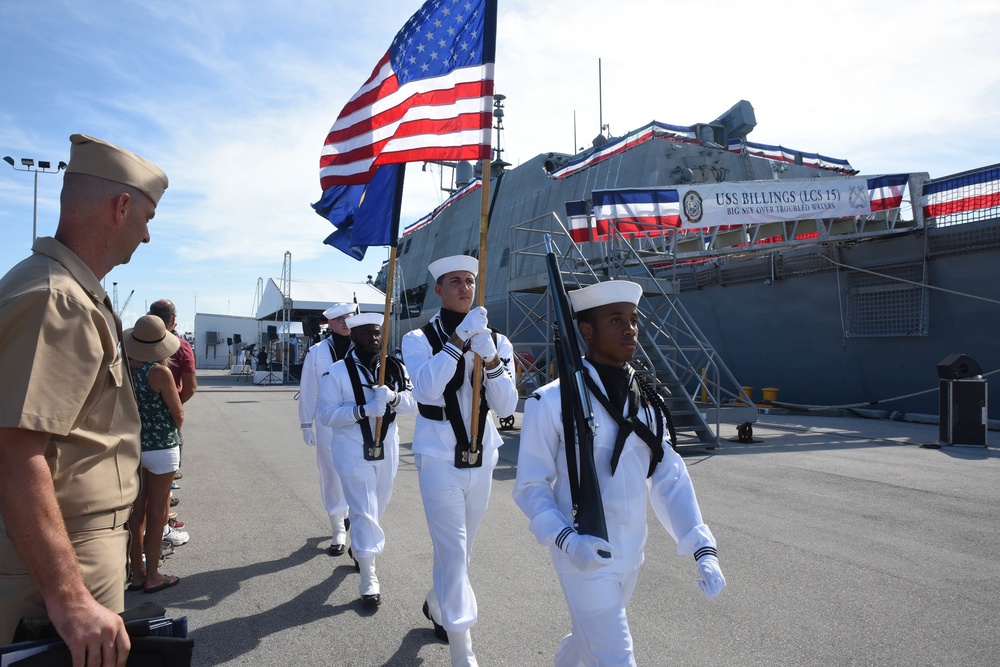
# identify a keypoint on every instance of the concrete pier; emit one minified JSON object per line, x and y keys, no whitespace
{"x":843,"y":541}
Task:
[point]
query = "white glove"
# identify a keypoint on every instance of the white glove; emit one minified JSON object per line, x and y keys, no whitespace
{"x":384,"y":394}
{"x":483,"y":345}
{"x":582,"y":550}
{"x":475,"y":322}
{"x":712,"y":582}
{"x":375,"y":408}
{"x":308,"y":436}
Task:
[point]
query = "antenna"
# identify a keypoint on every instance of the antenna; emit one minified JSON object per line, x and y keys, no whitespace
{"x":600,"y":98}
{"x":498,"y":162}
{"x":573,"y":152}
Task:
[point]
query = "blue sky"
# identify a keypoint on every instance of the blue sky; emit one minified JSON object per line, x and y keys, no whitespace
{"x":233,"y":99}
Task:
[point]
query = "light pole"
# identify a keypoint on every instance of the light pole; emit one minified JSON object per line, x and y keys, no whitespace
{"x":43,"y":167}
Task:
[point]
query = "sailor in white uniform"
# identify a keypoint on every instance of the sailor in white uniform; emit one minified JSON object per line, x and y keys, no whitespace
{"x":455,"y":489}
{"x":319,"y":358}
{"x":597,"y":576}
{"x":350,"y":401}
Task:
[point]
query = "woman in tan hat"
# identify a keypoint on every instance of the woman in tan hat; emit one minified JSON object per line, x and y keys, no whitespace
{"x":148,"y":345}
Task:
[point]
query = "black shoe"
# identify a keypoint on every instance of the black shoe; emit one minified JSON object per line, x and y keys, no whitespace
{"x":439,"y":631}
{"x":357,"y":566}
{"x":371,"y":601}
{"x":336,"y":550}
{"x":175,"y":501}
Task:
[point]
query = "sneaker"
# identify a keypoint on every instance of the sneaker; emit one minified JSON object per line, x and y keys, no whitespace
{"x":174,"y":501}
{"x":174,"y":486}
{"x":176,"y":537}
{"x":175,"y":524}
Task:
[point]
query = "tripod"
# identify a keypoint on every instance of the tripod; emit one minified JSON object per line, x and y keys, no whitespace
{"x":267,"y":379}
{"x":247,"y":368}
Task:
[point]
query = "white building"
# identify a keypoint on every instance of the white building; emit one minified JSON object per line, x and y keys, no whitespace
{"x":216,"y":335}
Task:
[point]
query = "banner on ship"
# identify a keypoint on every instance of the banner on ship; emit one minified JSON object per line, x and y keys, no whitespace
{"x":773,"y":201}
{"x":715,"y":205}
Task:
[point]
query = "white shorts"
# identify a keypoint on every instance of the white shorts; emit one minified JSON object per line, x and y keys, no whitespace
{"x":162,"y":461}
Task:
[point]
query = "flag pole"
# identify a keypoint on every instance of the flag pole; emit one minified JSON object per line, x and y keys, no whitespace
{"x":477,"y":368}
{"x":397,"y":206}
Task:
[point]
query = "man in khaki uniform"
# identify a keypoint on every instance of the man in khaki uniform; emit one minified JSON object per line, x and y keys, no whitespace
{"x":69,"y":426}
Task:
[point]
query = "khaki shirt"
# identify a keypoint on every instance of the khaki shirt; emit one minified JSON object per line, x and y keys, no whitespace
{"x":64,"y":374}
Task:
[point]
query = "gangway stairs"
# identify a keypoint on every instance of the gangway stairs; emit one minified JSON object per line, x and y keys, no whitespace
{"x":673,"y":354}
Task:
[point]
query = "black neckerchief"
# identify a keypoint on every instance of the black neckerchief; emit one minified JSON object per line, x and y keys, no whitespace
{"x":339,"y":345}
{"x":616,"y":382}
{"x":369,"y":361}
{"x":630,"y":424}
{"x":450,"y":321}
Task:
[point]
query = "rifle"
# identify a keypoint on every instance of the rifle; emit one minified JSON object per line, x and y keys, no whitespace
{"x":577,"y":411}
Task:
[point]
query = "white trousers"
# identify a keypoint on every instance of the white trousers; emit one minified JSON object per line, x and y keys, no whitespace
{"x":330,"y":487}
{"x":600,"y":635}
{"x":368,"y":489}
{"x":455,"y":500}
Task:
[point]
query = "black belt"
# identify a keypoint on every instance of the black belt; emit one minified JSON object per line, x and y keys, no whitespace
{"x":434,"y":412}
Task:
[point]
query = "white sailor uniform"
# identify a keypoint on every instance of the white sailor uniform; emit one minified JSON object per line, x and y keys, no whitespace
{"x":367,"y":483}
{"x":319,"y":358}
{"x":597,"y":600}
{"x":455,"y":499}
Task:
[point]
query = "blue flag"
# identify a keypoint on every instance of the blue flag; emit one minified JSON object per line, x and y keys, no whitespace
{"x":363,"y":214}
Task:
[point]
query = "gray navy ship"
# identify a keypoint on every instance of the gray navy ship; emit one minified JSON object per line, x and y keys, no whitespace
{"x":817,"y":307}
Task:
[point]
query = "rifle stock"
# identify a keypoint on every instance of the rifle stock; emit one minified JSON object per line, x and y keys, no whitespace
{"x":578,"y":413}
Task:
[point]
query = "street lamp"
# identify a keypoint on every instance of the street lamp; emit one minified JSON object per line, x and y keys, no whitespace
{"x":43,"y":167}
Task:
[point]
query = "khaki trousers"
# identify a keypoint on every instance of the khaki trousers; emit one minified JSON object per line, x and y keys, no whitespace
{"x":102,"y":555}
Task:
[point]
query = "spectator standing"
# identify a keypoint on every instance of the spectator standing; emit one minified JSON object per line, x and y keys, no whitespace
{"x":182,"y":361}
{"x":148,"y":346}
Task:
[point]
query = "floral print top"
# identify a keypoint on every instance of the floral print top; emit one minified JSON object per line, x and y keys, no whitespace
{"x":158,"y":428}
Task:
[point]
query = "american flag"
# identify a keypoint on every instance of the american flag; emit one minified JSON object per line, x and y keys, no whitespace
{"x":430,"y":96}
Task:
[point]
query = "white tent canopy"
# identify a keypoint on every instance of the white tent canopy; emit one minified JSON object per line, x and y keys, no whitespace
{"x":314,"y":296}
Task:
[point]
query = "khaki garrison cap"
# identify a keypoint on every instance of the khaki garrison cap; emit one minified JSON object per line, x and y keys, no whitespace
{"x":96,"y":157}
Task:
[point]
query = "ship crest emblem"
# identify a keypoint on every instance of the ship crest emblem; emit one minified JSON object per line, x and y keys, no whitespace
{"x":858,"y":196}
{"x":692,"y":206}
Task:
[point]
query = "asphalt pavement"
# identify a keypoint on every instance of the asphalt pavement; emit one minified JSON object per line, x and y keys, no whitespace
{"x":843,"y":542}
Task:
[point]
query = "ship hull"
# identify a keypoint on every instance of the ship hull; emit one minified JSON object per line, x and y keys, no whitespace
{"x":827,"y":335}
